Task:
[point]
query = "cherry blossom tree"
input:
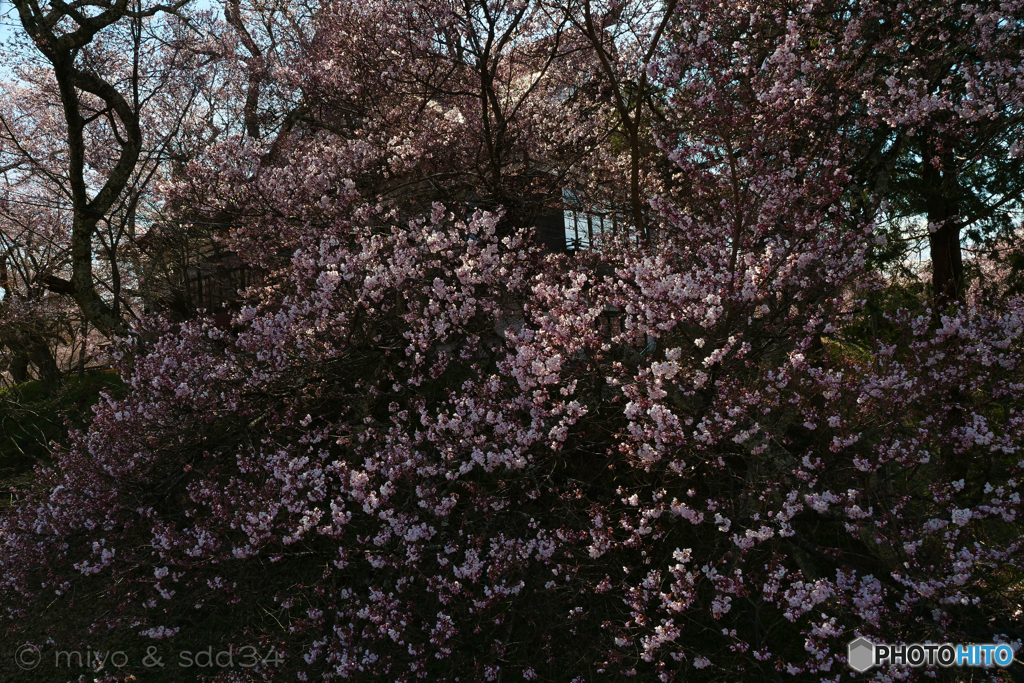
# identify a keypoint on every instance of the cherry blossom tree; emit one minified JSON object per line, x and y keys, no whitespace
{"x":626,"y":39}
{"x":106,"y":92}
{"x":418,"y":452}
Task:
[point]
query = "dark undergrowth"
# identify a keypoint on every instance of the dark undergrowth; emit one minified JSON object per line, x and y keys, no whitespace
{"x":35,"y":417}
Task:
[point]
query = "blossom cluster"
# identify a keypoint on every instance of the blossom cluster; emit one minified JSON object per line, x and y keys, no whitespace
{"x":420,"y":450}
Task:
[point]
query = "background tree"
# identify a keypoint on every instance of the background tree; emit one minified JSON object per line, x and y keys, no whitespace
{"x":937,"y":102}
{"x":98,"y":57}
{"x":415,"y":452}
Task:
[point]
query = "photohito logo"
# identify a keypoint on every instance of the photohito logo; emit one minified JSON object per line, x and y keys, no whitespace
{"x":862,"y":654}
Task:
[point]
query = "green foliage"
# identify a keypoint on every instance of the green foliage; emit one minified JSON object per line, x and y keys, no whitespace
{"x":35,"y":415}
{"x":872,"y":323}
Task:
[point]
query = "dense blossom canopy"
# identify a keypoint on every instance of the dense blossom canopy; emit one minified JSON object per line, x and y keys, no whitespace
{"x":425,"y":448}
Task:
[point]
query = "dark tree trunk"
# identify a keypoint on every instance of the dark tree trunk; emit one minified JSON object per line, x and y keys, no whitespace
{"x":45,"y":364}
{"x":942,"y":207}
{"x":34,"y":353}
{"x":19,"y":368}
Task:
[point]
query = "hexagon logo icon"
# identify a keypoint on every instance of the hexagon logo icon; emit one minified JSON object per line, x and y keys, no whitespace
{"x":861,"y":654}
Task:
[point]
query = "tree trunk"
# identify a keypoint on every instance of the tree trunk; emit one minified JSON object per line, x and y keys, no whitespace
{"x":942,"y":206}
{"x":19,"y":368}
{"x":941,"y":196}
{"x":45,"y":364}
